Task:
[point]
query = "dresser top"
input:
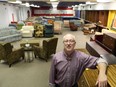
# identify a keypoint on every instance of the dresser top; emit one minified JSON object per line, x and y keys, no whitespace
{"x":113,"y":35}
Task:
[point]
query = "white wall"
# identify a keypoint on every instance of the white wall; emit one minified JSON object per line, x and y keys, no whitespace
{"x":22,"y":13}
{"x":98,"y":6}
{"x":6,"y":12}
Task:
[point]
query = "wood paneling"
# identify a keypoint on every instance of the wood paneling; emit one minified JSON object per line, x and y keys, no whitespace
{"x":95,"y":16}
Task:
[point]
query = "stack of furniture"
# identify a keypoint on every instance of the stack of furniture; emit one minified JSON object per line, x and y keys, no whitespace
{"x":10,"y":34}
{"x":9,"y":55}
{"x":89,"y":28}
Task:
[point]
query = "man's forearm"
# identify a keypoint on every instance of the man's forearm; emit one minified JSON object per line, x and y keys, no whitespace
{"x":102,"y":68}
{"x":102,"y":78}
{"x":102,"y":65}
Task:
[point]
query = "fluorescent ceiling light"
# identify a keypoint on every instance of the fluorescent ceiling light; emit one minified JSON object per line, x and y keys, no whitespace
{"x":15,"y":2}
{"x":53,"y":0}
{"x":27,"y":4}
{"x":3,"y":0}
{"x":105,"y":0}
{"x":88,"y":2}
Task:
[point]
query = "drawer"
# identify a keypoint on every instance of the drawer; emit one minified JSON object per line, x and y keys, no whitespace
{"x":109,"y":41}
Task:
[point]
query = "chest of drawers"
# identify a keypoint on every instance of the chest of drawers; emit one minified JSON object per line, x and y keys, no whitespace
{"x":109,"y":40}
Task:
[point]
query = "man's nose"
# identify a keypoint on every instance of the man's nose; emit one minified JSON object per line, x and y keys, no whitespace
{"x":68,"y":42}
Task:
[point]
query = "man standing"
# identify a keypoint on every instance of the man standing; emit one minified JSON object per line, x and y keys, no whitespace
{"x":68,"y":65}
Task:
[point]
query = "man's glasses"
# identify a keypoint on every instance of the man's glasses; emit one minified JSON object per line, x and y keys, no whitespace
{"x":69,"y":41}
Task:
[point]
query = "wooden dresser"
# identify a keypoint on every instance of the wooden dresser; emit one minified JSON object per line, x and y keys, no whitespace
{"x":89,"y":77}
{"x":109,"y":40}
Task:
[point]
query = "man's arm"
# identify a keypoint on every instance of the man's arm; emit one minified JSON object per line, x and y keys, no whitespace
{"x":102,"y":78}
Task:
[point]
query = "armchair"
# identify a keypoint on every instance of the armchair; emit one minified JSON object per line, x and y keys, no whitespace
{"x":8,"y":55}
{"x":27,"y":31}
{"x":73,"y":27}
{"x":39,"y":30}
{"x":49,"y":31}
{"x":48,"y":48}
{"x":57,"y":27}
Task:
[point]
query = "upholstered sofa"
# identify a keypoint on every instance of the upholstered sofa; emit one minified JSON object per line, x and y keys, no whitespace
{"x":9,"y":34}
{"x":27,"y":31}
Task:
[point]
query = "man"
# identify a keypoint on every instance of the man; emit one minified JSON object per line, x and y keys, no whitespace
{"x":68,"y":65}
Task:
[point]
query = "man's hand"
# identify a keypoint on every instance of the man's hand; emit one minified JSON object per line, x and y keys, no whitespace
{"x":102,"y":80}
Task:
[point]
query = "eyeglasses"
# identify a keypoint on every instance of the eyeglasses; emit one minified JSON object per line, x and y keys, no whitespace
{"x":69,"y":41}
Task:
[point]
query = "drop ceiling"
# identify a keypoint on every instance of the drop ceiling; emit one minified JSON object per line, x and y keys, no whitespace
{"x":62,"y":3}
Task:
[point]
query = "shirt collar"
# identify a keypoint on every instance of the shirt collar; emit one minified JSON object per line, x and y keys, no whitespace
{"x":69,"y":57}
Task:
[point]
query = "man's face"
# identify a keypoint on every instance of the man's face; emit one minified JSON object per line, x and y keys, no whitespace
{"x":69,"y":44}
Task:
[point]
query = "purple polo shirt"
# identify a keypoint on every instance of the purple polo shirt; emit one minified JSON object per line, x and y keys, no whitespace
{"x":66,"y":70}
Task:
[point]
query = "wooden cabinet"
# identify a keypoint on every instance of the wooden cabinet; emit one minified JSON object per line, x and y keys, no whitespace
{"x":109,"y":40}
{"x":95,"y":16}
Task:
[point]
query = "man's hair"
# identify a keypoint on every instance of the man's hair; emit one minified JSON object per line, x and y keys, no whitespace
{"x":70,"y":36}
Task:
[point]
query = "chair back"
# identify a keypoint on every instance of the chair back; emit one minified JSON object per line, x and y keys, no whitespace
{"x":2,"y":52}
{"x":49,"y":32}
{"x":57,"y":26}
{"x":49,"y":46}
